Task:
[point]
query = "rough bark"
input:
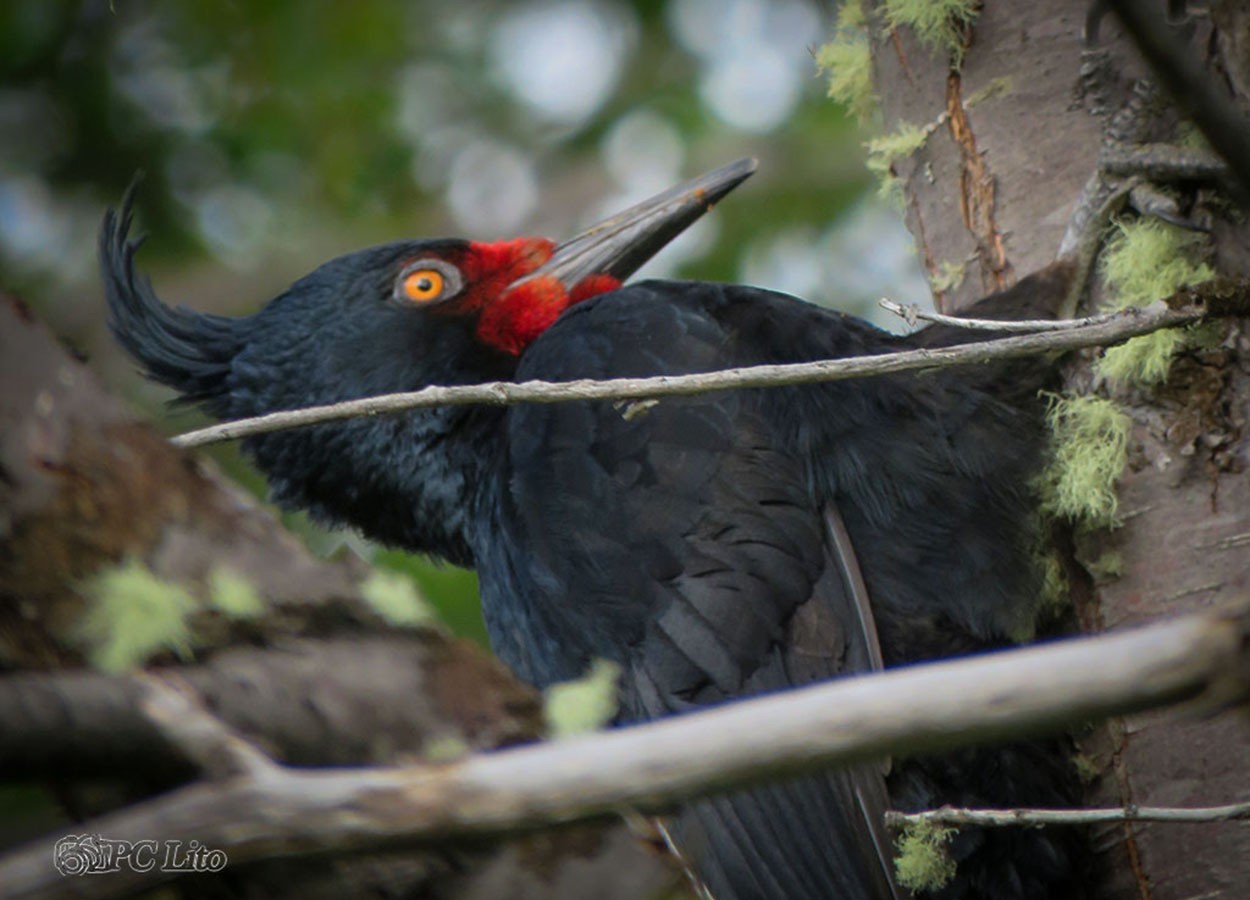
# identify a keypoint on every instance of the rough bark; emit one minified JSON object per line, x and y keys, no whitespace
{"x":995,"y":186}
{"x":319,"y":677}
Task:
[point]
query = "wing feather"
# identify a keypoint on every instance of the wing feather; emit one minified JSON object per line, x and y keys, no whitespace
{"x":694,"y":551}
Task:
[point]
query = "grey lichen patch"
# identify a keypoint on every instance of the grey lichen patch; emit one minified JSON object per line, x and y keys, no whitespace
{"x":1146,"y":260}
{"x":922,"y":862}
{"x":396,"y":599}
{"x":938,"y":24}
{"x":132,"y":616}
{"x":1089,"y":450}
{"x":584,"y":704}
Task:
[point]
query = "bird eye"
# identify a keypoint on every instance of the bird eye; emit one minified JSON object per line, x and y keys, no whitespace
{"x":427,"y":281}
{"x":423,"y":284}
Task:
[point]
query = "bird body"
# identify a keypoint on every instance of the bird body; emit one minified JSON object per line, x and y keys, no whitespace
{"x":715,"y":546}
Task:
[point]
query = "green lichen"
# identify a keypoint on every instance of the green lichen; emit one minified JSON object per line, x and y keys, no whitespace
{"x":1206,"y":335}
{"x":396,"y":599}
{"x":1190,"y":136}
{"x":1144,"y":360}
{"x":1144,"y":261}
{"x":132,"y":616}
{"x":1089,"y":449}
{"x":1107,"y":567}
{"x":1056,"y":593}
{"x":1148,"y":259}
{"x":886,"y":151}
{"x":1087,"y":768}
{"x":995,"y":87}
{"x":938,"y":24}
{"x":922,"y":862}
{"x":233,"y":595}
{"x":584,"y":704}
{"x":445,"y":748}
{"x":948,"y":276}
{"x":848,"y":60}
{"x":851,"y":15}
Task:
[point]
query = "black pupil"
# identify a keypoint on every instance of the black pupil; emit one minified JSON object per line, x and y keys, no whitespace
{"x":425,"y":284}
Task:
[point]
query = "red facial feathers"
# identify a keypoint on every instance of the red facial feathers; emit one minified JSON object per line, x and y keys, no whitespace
{"x":509,"y":320}
{"x":488,"y":269}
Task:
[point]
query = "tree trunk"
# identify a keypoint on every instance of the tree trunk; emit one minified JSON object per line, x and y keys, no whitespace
{"x":1016,"y":132}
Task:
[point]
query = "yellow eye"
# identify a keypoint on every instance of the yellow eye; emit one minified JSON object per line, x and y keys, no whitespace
{"x":423,"y":285}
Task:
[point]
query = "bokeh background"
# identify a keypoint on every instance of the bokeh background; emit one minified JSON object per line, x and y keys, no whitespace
{"x":276,"y":134}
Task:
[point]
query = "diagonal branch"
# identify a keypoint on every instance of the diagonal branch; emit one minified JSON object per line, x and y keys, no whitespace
{"x":173,"y":706}
{"x":1124,"y":325}
{"x":651,"y":767}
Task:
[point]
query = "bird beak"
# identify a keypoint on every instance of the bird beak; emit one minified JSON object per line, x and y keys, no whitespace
{"x":619,"y":245}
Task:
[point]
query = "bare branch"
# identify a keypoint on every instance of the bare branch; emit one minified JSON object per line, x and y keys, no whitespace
{"x":993,"y":818}
{"x":651,"y":767}
{"x":173,"y":706}
{"x":1120,"y":327}
{"x":911,"y":313}
{"x":359,"y":705}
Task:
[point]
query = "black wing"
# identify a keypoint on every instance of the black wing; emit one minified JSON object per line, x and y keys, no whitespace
{"x":686,"y":540}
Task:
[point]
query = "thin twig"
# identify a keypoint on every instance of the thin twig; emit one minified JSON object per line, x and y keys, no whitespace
{"x":993,"y":818}
{"x":912,"y":313}
{"x":1120,"y":327}
{"x":652,"y":767}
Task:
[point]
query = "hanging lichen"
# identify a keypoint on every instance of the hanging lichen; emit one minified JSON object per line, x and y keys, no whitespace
{"x":1089,"y":450}
{"x":1144,"y":261}
{"x":922,"y":862}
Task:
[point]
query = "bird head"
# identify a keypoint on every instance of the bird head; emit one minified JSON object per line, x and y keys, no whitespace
{"x":395,"y":317}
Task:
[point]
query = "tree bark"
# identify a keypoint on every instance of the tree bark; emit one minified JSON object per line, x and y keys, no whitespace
{"x":1022,"y":121}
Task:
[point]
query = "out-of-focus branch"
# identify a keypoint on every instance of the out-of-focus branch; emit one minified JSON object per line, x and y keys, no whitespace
{"x":359,"y":694}
{"x":652,"y":767}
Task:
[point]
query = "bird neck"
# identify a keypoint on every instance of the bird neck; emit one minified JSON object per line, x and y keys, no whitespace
{"x":408,"y":480}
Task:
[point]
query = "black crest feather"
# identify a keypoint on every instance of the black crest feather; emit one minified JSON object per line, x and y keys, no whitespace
{"x":187,"y":350}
